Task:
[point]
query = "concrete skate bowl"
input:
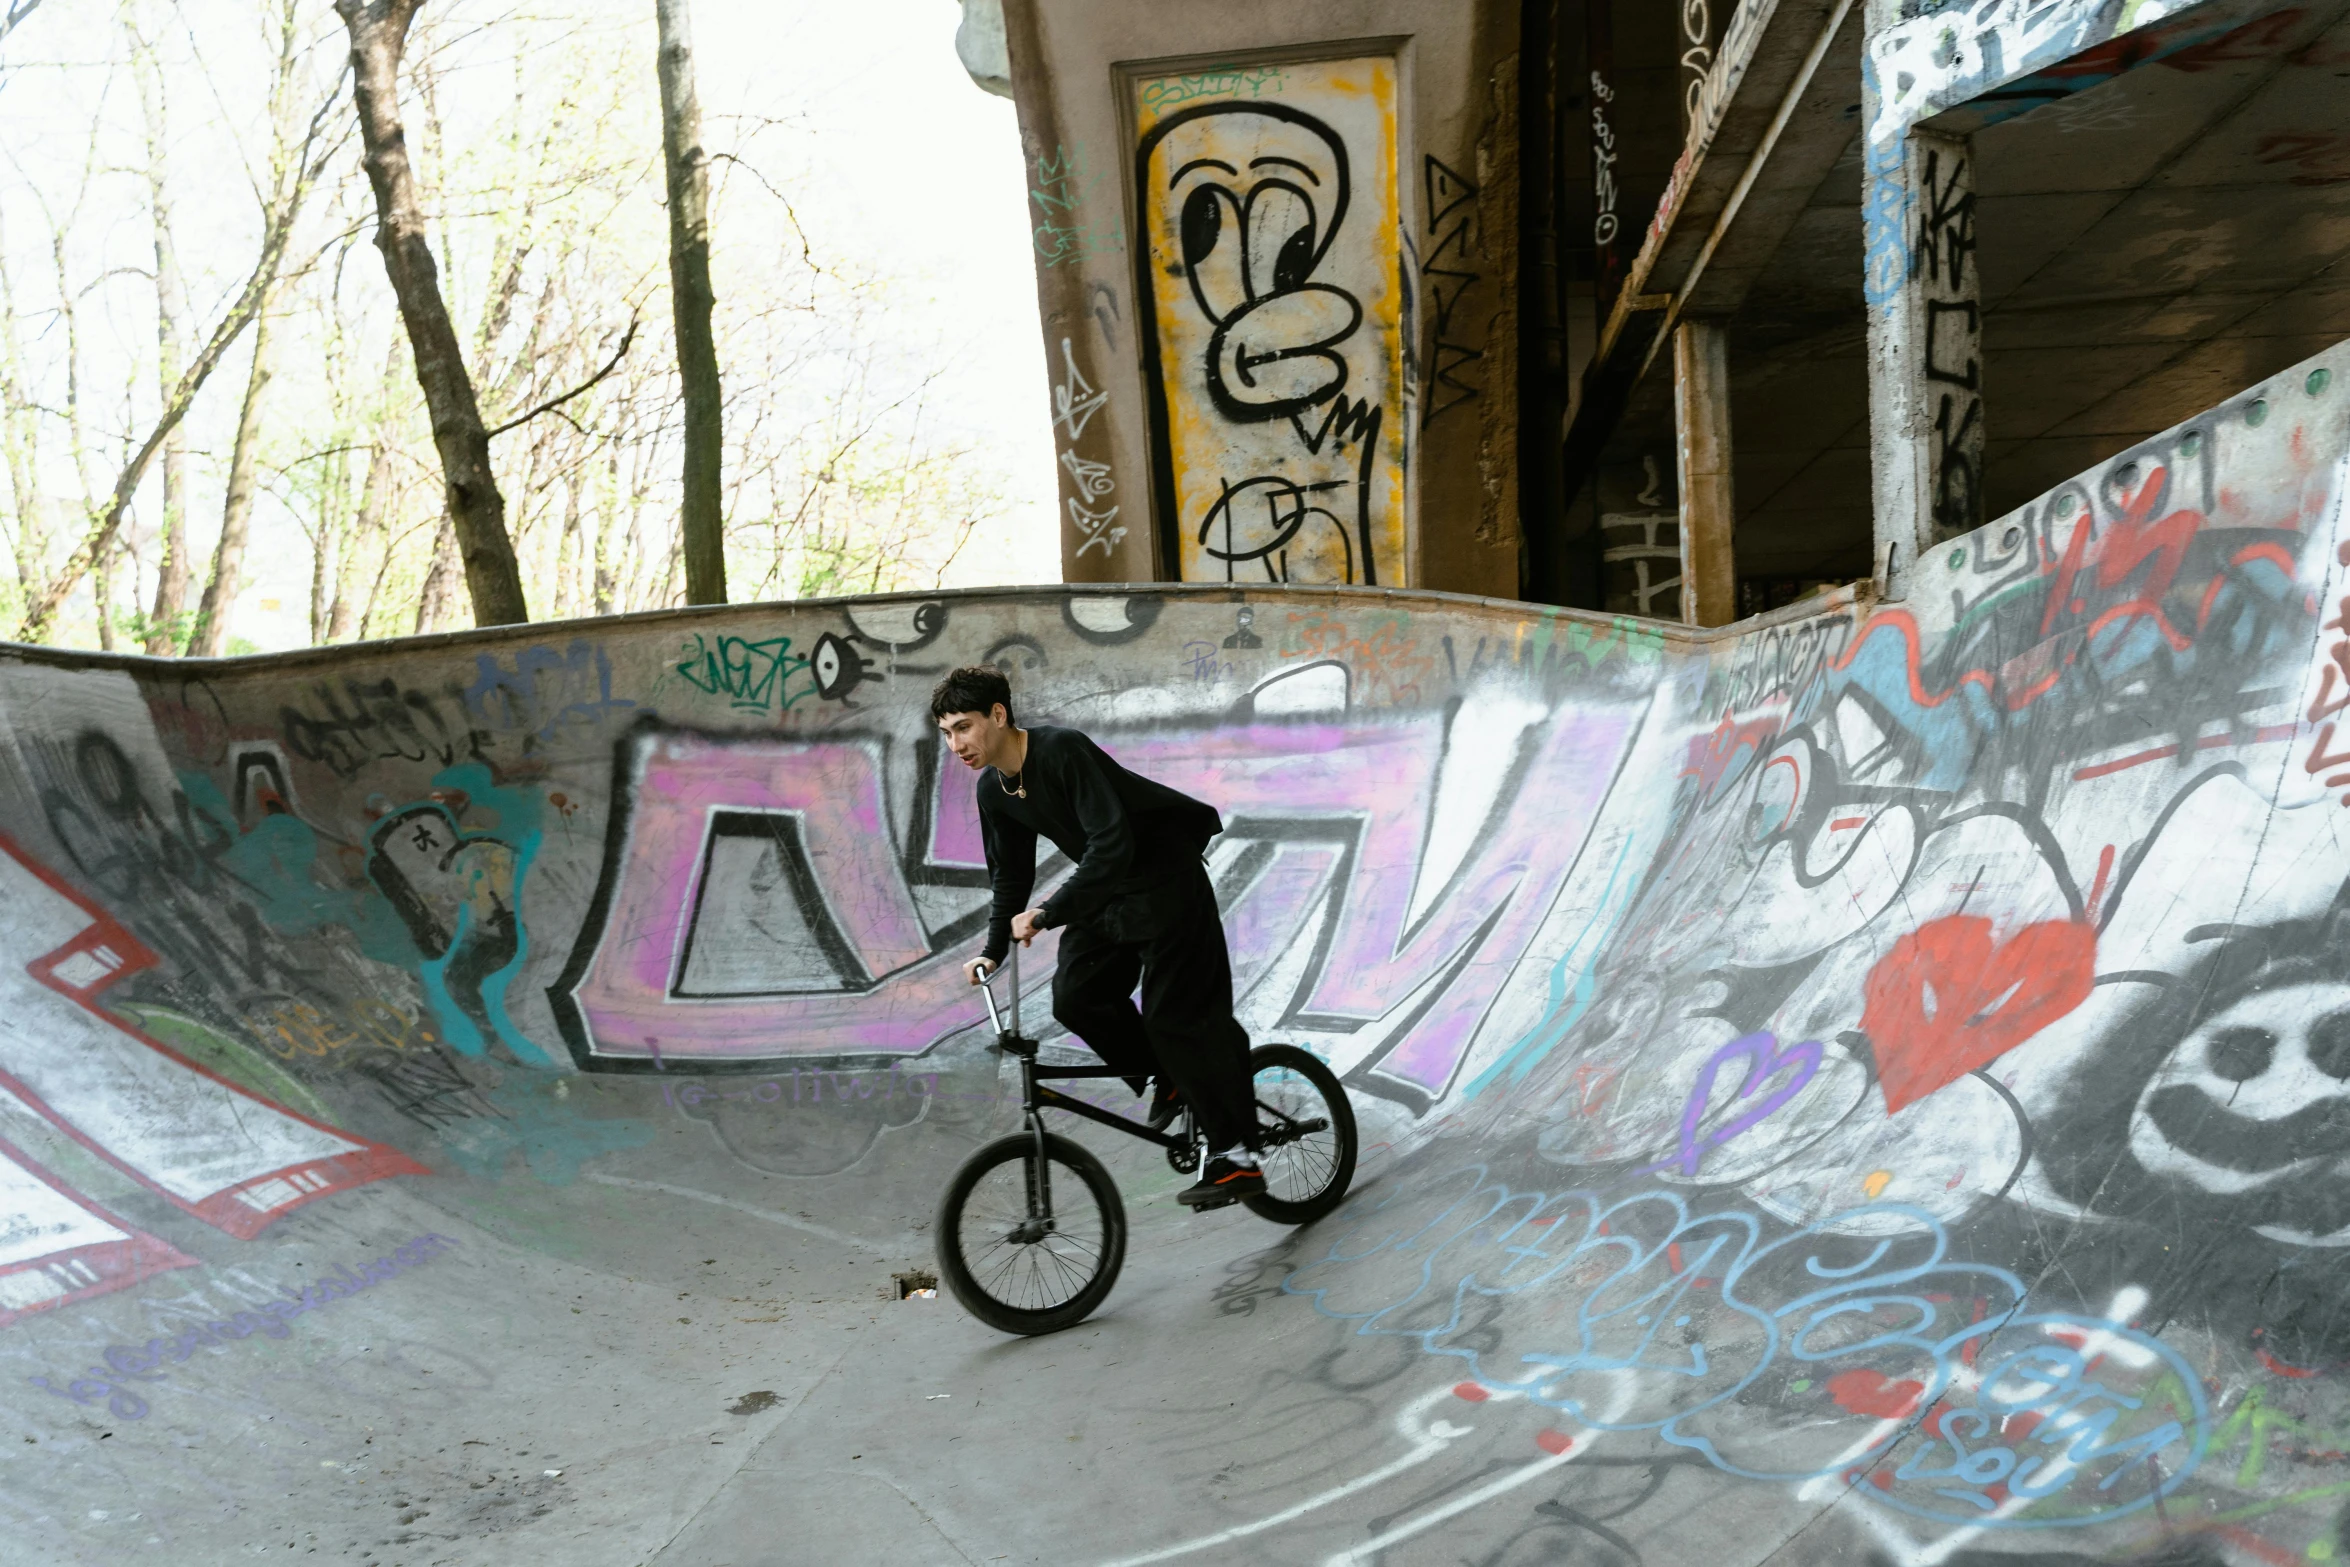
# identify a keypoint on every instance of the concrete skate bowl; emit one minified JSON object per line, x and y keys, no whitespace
{"x":1868,"y":1086}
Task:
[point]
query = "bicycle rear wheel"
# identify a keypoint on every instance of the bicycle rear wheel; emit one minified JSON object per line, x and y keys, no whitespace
{"x":1308,"y":1131}
{"x":1031,"y":1246}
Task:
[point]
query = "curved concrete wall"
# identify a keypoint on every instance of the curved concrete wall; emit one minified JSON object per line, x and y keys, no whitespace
{"x":1886,"y":1061}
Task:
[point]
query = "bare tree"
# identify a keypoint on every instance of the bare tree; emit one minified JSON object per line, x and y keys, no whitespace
{"x":171,"y":310}
{"x":44,"y":605}
{"x":20,"y":424}
{"x":703,"y":518}
{"x":344,"y":615}
{"x":277,"y":223}
{"x":287,"y":189}
{"x":837,"y":471}
{"x":476,"y":509}
{"x":210,"y":636}
{"x":440,"y":581}
{"x":20,"y":441}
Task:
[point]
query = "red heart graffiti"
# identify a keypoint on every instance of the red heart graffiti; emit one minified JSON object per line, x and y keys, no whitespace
{"x":1946,"y":1000}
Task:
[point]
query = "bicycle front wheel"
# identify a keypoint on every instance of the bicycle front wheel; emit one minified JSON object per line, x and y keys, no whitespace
{"x":1029,"y":1245}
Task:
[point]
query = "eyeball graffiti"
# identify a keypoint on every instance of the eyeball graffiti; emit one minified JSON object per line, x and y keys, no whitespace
{"x":897,"y":625}
{"x":836,"y":666}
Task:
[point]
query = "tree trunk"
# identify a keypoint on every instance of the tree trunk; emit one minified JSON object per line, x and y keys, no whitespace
{"x":102,"y":598}
{"x":171,"y":310}
{"x":432,"y":599}
{"x":607,"y":585}
{"x":210,"y":635}
{"x":570,"y":564}
{"x":702,"y":520}
{"x":366,"y":538}
{"x":326,"y":543}
{"x":477,"y":512}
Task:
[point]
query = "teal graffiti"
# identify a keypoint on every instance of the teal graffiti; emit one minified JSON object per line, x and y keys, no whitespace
{"x":1574,"y":976}
{"x":400,"y":915}
{"x":459,"y":892}
{"x":277,"y":864}
{"x":552,"y":1139}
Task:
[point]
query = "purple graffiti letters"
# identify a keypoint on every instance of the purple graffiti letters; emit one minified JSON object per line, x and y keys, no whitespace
{"x":270,"y":1319}
{"x":807,"y":1084}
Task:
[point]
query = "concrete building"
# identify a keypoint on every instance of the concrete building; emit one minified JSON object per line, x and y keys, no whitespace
{"x":1672,"y":310}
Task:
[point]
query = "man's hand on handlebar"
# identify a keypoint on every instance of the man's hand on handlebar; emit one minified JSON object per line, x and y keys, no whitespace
{"x":1024,"y":931}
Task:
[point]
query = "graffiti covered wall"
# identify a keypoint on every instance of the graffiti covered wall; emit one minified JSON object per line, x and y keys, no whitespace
{"x":1883,"y":1059}
{"x":1278,"y":318}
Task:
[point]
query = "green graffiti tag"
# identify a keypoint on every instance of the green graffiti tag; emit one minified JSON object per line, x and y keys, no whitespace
{"x":1063,"y":179}
{"x":1217,"y":81}
{"x":756,"y":677}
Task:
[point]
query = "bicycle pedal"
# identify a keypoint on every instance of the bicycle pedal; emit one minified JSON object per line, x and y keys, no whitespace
{"x":1211,"y":1203}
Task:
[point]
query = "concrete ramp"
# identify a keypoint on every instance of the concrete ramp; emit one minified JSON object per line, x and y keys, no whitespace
{"x":1870,"y":1086}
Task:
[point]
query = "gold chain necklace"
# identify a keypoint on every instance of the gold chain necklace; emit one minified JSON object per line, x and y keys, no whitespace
{"x":1020,"y":793}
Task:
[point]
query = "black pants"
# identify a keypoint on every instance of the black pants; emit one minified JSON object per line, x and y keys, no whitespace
{"x":1170,"y":937}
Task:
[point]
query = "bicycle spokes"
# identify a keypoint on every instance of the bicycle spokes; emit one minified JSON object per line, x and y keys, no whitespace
{"x":1020,"y":1253}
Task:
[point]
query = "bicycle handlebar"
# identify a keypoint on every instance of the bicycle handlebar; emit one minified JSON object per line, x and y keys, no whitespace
{"x":987,"y":976}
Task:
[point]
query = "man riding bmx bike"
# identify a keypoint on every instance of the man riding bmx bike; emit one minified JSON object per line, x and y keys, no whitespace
{"x":1138,"y":907}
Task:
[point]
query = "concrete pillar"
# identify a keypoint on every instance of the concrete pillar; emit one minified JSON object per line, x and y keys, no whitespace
{"x":1925,"y":346}
{"x":1701,"y":423}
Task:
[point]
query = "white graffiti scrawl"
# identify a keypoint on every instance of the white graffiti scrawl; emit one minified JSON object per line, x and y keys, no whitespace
{"x":196,"y":1140}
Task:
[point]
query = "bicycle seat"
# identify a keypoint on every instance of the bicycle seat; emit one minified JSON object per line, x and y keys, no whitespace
{"x":1015,"y":1044}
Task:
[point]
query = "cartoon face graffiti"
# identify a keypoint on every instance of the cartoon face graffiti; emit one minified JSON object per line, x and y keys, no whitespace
{"x":1276,"y":332}
{"x":1260,"y":191}
{"x":2257,"y":1096}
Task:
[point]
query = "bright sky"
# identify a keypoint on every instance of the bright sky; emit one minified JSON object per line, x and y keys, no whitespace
{"x":910,"y":163}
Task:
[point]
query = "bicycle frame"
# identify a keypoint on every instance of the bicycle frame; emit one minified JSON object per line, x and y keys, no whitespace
{"x":1036,"y":1097}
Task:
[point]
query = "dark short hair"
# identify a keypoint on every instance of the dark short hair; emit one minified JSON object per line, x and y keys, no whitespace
{"x":976,"y":688}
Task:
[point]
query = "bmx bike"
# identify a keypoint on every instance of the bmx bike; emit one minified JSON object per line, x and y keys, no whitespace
{"x":1031,"y":1232}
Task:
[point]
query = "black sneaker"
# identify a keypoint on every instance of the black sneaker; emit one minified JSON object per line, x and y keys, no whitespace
{"x":1166,"y":1100}
{"x":1223,"y":1182}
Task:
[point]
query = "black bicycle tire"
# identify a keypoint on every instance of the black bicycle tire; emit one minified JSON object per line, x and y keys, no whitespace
{"x":1342,"y":1120}
{"x":953,"y":1267}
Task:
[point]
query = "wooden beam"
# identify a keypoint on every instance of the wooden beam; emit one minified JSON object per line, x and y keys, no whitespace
{"x":1701,"y":418}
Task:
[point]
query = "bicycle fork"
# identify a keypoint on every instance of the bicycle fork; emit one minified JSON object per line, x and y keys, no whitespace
{"x":1037,"y":1169}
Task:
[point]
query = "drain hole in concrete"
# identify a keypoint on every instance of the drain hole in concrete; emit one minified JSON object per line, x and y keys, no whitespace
{"x":921,"y":1283}
{"x":752,"y":1403}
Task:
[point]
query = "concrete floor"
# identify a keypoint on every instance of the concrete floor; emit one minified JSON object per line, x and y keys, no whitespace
{"x":668,"y":1359}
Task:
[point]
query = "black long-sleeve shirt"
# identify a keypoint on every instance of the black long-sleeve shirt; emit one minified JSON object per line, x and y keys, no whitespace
{"x":1114,"y":824}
